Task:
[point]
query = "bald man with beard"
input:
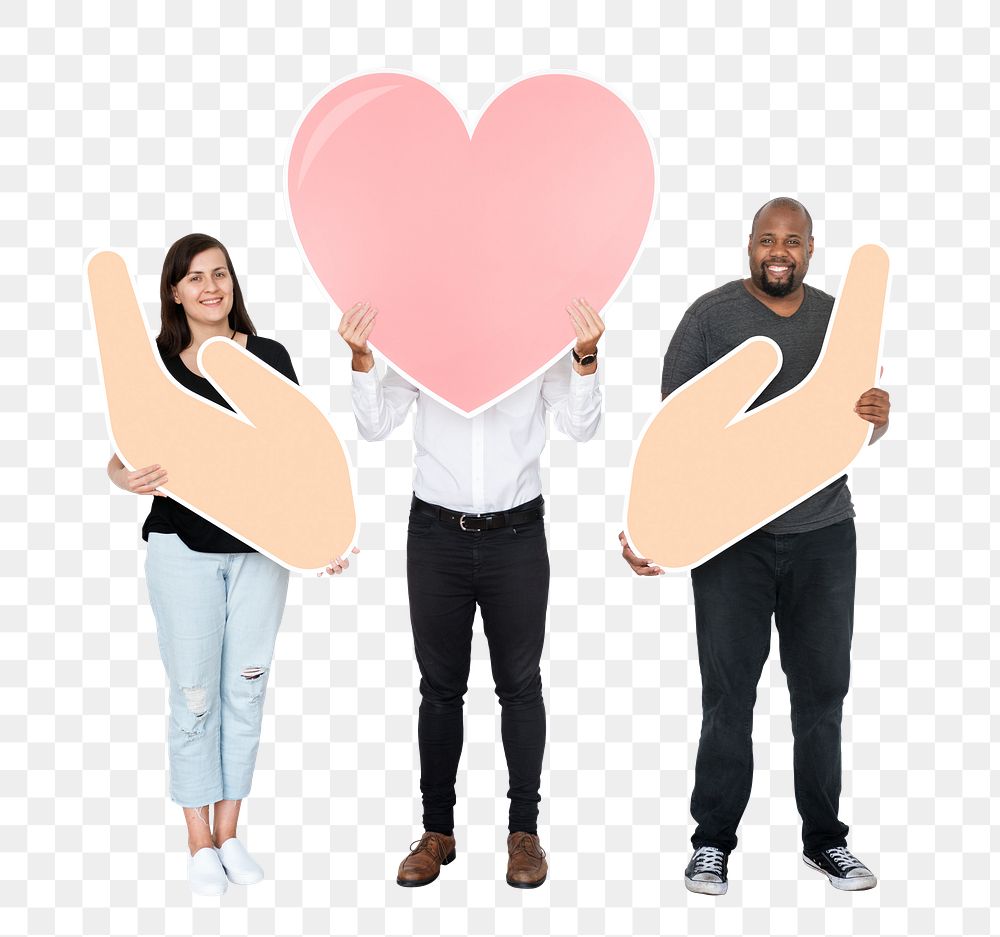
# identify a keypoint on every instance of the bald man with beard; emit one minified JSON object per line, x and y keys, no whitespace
{"x":799,"y":568}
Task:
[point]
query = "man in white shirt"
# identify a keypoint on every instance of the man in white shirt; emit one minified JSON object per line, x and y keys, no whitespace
{"x":476,"y":537}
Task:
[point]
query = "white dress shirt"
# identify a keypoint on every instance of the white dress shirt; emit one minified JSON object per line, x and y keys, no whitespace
{"x":485,"y":463}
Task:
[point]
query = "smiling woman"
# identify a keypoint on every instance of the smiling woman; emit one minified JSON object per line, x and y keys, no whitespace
{"x":199,"y":292}
{"x":217,"y":602}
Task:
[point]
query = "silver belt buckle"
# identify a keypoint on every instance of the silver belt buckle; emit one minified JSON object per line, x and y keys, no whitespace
{"x":461,"y":522}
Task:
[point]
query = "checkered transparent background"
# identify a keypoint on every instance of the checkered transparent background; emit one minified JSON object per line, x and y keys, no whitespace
{"x":128,"y":127}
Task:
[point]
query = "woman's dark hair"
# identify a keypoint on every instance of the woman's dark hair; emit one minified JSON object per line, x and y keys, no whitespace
{"x":175,"y":335}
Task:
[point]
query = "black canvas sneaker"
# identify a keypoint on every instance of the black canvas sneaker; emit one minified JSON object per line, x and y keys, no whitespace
{"x":844,"y":871}
{"x":706,"y":872}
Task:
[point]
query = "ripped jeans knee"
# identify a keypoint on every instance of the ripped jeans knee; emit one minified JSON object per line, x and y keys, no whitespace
{"x":192,"y":722}
{"x":255,"y":681}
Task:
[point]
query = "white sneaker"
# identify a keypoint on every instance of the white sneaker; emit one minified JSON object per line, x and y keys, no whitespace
{"x":206,"y":876}
{"x":240,"y":867}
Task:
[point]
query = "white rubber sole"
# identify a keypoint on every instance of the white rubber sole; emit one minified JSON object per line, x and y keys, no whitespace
{"x":860,"y":883}
{"x":706,"y":888}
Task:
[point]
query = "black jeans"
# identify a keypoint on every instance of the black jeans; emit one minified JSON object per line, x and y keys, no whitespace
{"x":806,"y":581}
{"x":506,"y":572}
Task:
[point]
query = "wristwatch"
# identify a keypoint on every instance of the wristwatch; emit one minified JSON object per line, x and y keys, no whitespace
{"x":585,"y":360}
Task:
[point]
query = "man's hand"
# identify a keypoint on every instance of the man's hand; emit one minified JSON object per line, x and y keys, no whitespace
{"x":873,"y":406}
{"x":274,"y":474}
{"x":639,"y":566}
{"x":355,"y":326}
{"x":706,"y":472}
{"x":589,"y":328}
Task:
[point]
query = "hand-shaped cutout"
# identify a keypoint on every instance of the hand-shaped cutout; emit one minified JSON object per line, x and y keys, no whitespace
{"x":274,"y":474}
{"x":707,"y":473}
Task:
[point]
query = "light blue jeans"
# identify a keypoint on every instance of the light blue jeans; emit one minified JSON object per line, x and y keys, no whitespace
{"x":217,"y":616}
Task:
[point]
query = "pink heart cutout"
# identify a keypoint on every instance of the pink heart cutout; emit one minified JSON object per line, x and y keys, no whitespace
{"x":471,"y":249}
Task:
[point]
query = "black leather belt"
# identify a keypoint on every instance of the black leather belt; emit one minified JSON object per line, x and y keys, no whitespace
{"x":520,"y":514}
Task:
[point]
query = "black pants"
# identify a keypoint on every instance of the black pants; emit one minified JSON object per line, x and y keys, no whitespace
{"x":807,"y":582}
{"x":506,"y":572}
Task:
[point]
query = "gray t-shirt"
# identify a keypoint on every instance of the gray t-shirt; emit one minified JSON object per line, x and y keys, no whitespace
{"x":726,"y":317}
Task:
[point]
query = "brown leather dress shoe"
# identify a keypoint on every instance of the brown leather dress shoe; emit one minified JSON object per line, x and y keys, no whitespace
{"x":424,"y":862}
{"x":526,"y":867}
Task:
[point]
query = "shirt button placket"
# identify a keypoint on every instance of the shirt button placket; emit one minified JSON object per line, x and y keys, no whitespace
{"x":478,"y":464}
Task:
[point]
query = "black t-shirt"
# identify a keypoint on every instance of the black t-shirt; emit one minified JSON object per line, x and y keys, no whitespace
{"x":726,"y":317}
{"x":168,"y":516}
